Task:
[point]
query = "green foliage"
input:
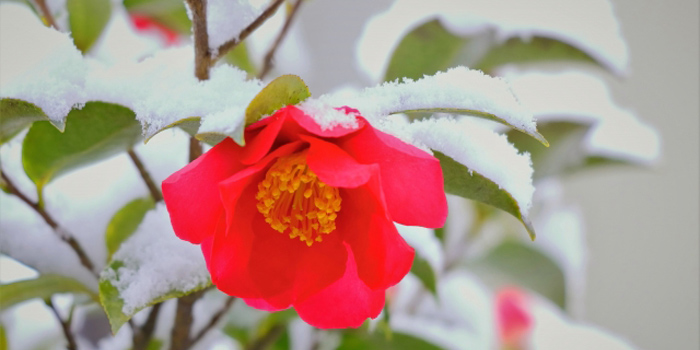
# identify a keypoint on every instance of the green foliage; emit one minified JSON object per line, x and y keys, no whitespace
{"x":515,"y":263}
{"x":15,"y":116}
{"x":3,"y":338}
{"x":379,"y":341}
{"x":125,"y":222}
{"x":95,"y":132}
{"x":283,"y":91}
{"x":425,"y":273}
{"x":42,"y":287}
{"x":87,"y":20}
{"x":170,"y":13}
{"x":240,"y":58}
{"x":461,"y":181}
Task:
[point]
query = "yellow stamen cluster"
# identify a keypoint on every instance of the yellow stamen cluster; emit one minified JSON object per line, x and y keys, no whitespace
{"x":292,"y":197}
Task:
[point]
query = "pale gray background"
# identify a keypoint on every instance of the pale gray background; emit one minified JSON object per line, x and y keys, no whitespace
{"x":642,"y":225}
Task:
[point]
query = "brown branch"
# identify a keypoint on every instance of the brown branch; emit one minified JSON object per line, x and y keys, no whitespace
{"x":264,"y":16}
{"x":268,"y":338}
{"x":202,"y":55}
{"x":195,"y":148}
{"x":46,"y":13}
{"x":180,"y":335}
{"x":62,"y":233}
{"x":142,"y":335}
{"x":152,"y":188}
{"x":267,"y":63}
{"x":65,"y":326}
{"x":214,"y":320}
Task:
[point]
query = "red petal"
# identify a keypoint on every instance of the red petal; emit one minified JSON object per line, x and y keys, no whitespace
{"x":411,"y":178}
{"x":334,"y":166}
{"x":261,"y":304}
{"x":348,"y":302}
{"x":383,"y":257}
{"x":192,"y":193}
{"x":310,"y":125}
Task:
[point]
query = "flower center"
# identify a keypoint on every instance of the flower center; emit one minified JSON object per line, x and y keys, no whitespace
{"x":292,"y":197}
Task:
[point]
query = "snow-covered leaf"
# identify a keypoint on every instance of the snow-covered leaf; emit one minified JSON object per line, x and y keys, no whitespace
{"x":170,"y":13}
{"x":87,"y":19}
{"x":17,"y":115}
{"x":283,"y":91}
{"x":125,"y":222}
{"x":517,"y":263}
{"x":461,"y":181}
{"x":41,"y":287}
{"x":93,"y":133}
{"x":425,"y":273}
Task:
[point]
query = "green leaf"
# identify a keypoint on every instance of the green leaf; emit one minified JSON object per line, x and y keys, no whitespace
{"x":283,"y":91}
{"x":517,"y":263}
{"x":113,"y":304}
{"x":42,"y":287}
{"x":87,"y":19}
{"x":93,"y":133}
{"x":240,"y":58}
{"x":170,"y":13}
{"x":532,"y":50}
{"x":125,"y":222}
{"x":15,"y":116}
{"x":461,"y":181}
{"x":425,"y":50}
{"x":475,"y":113}
{"x":567,"y":153}
{"x":3,"y":338}
{"x":425,"y":273}
{"x":378,"y":341}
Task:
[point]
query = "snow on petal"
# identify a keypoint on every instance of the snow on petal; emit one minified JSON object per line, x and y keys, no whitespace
{"x":617,"y":133}
{"x":591,"y":26}
{"x":41,"y":66}
{"x":458,"y":88}
{"x":156,"y":262}
{"x":482,"y":150}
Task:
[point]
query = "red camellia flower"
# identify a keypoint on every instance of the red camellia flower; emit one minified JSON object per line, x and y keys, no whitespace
{"x":304,"y":216}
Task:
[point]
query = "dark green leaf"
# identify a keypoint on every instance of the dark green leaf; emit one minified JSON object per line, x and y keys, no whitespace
{"x":425,"y":50}
{"x":170,"y":13}
{"x":285,"y":90}
{"x":113,"y":303}
{"x":42,"y":287}
{"x":425,"y":273}
{"x":520,"y":264}
{"x":125,"y":222}
{"x":93,"y":133}
{"x":459,"y":180}
{"x":87,"y":19}
{"x":378,"y":341}
{"x":15,"y":116}
{"x":532,"y":50}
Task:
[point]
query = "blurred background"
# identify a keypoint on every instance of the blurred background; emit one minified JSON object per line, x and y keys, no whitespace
{"x":642,"y":225}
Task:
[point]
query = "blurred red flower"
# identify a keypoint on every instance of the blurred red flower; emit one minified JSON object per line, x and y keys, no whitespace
{"x":303,"y":216}
{"x":513,"y":317}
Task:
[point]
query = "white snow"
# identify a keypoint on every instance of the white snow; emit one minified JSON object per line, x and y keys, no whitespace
{"x":327,"y":116}
{"x":580,"y":97}
{"x":481,"y":150}
{"x":590,"y":25}
{"x":227,"y":18}
{"x":156,"y":262}
{"x":457,"y":88}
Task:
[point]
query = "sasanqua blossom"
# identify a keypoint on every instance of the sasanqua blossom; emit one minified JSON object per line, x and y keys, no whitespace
{"x":304,"y":217}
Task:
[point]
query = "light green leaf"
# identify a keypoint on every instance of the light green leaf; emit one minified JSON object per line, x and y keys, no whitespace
{"x":125,"y":222}
{"x":93,"y":133}
{"x":567,"y":154}
{"x":283,"y":91}
{"x":425,"y":273}
{"x":87,"y":19}
{"x":356,"y":340}
{"x":532,"y":50}
{"x":3,"y":338}
{"x":240,"y":58}
{"x":425,"y":50}
{"x":15,"y":116}
{"x":517,"y":263}
{"x":42,"y":287}
{"x":170,"y":13}
{"x":459,"y":180}
{"x":113,"y":304}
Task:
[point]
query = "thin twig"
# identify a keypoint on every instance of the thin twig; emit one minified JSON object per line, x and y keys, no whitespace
{"x":142,"y":335}
{"x":214,"y":320}
{"x":179,"y":337}
{"x":65,"y":326}
{"x":202,"y":55}
{"x":267,"y":63}
{"x":62,"y":233}
{"x":46,"y":13}
{"x":152,"y":188}
{"x":264,"y":16}
{"x":268,"y":338}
